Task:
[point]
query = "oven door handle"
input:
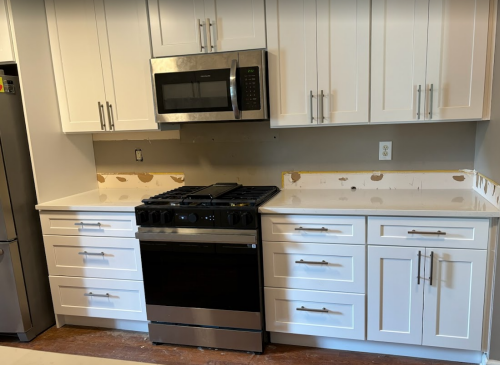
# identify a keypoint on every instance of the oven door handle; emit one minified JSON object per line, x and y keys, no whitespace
{"x":201,"y":238}
{"x":233,"y":89}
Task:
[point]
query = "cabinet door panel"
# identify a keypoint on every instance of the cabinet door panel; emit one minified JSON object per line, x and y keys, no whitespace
{"x":458,"y":39}
{"x":291,"y":27}
{"x":174,"y":27}
{"x":395,"y":298}
{"x":236,"y":24}
{"x":453,"y":304}
{"x":344,"y":59}
{"x":77,"y":63}
{"x":399,"y":48}
{"x":126,"y":53}
{"x":6,"y":51}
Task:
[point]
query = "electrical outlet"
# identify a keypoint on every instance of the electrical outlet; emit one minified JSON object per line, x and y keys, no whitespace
{"x":138,"y":155}
{"x":385,"y":151}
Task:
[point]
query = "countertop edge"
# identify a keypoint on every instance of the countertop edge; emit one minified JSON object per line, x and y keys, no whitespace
{"x":77,"y":208}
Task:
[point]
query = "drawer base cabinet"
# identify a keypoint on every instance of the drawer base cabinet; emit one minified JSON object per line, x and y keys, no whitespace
{"x":315,"y":313}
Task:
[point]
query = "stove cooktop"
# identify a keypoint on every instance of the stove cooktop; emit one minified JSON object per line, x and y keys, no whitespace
{"x":222,"y":205}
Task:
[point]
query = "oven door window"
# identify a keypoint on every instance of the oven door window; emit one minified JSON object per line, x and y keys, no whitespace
{"x":193,"y":92}
{"x":201,"y":275}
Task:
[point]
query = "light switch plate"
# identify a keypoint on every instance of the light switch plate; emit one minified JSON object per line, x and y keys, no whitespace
{"x":385,"y":151}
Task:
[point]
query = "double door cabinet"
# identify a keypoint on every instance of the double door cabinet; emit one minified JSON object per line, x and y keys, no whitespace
{"x":425,"y":278}
{"x":6,"y":50}
{"x":428,"y":61}
{"x":101,"y":51}
{"x":180,"y":27}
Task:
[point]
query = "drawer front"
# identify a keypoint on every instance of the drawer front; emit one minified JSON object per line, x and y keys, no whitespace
{"x":95,"y":257}
{"x":102,"y":298}
{"x":315,"y":266}
{"x":89,"y":224}
{"x":429,"y":232}
{"x":313,"y":228}
{"x":315,"y":313}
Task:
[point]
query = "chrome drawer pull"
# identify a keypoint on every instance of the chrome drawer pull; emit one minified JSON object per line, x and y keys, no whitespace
{"x":88,"y":224}
{"x":304,"y":309}
{"x":91,"y":253}
{"x":97,"y":295}
{"x":312,"y":262}
{"x":439,"y":233}
{"x":322,"y":229}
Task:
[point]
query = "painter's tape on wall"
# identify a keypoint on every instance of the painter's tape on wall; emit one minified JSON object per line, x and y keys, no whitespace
{"x":131,"y":180}
{"x":458,"y":179}
{"x":488,"y":188}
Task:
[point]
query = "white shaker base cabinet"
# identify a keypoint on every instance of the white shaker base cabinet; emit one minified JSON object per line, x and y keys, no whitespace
{"x":395,"y":298}
{"x":181,"y":27}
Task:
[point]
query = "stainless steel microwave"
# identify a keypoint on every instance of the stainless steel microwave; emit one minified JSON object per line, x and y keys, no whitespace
{"x":227,"y":86}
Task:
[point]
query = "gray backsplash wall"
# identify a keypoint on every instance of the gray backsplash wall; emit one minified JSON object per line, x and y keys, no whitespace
{"x":253,"y":153}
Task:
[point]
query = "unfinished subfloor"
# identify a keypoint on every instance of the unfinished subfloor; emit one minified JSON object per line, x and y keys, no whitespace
{"x":134,"y":346}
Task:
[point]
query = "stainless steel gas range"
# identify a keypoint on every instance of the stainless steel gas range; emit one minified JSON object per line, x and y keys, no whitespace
{"x":202,"y":264}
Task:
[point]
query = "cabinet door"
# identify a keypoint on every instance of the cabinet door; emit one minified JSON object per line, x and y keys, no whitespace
{"x":399,"y":48}
{"x":175,"y":27}
{"x":126,"y":53}
{"x":395,"y":294}
{"x":456,"y":61}
{"x":6,"y":52}
{"x":344,"y":60}
{"x":236,"y":24}
{"x":293,"y":81}
{"x":453,"y":304}
{"x":76,"y":57}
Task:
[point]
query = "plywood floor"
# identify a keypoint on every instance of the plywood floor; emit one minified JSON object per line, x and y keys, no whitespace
{"x":134,"y":346}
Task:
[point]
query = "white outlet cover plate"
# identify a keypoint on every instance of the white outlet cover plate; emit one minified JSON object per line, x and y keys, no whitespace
{"x":385,"y":151}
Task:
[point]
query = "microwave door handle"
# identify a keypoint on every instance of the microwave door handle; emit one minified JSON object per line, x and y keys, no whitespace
{"x":233,"y":88}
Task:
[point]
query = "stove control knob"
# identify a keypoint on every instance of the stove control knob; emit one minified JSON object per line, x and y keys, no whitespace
{"x":165,"y":217}
{"x":141,"y":217}
{"x":154,"y":217}
{"x":233,"y":218}
{"x":193,"y":217}
{"x":246,"y":219}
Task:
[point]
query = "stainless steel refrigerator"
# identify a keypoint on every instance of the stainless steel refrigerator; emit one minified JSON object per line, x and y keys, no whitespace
{"x":25,"y":301}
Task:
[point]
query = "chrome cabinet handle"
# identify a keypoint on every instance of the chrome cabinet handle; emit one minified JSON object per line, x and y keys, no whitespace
{"x":233,"y":87}
{"x":304,"y":309}
{"x":200,"y":25}
{"x":89,"y":224}
{"x":322,"y":229}
{"x":111,"y":118}
{"x":419,"y":101}
{"x":312,"y":262}
{"x":91,"y":253}
{"x":215,"y":35}
{"x":90,"y":294}
{"x":419,"y":261}
{"x":431,"y":103}
{"x":432,"y":268}
{"x":101,"y":116}
{"x":209,"y":37}
{"x":311,"y":104}
{"x":321,"y":116}
{"x":438,"y":233}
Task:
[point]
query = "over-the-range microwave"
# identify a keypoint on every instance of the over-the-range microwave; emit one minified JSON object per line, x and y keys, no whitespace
{"x":228,"y":86}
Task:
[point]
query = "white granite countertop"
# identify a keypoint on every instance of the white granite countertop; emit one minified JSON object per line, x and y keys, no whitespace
{"x":422,"y":203}
{"x":105,"y":200}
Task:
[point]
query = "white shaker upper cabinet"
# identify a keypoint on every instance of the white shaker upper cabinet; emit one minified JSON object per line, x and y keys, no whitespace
{"x":395,"y":294}
{"x":235,"y":25}
{"x":343,"y":61}
{"x":456,"y":58}
{"x":125,"y":58}
{"x":398,"y":68}
{"x":177,"y":27}
{"x":74,"y":41}
{"x":292,"y":56}
{"x":6,"y":51}
{"x":453,"y":304}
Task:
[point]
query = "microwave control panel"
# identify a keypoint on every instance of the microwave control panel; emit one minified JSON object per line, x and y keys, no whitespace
{"x":250,"y":88}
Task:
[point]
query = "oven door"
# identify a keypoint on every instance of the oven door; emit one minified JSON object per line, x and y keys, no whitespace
{"x":202,"y":283}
